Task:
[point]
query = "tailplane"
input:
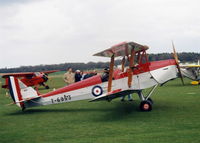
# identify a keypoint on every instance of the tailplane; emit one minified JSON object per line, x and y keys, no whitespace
{"x":19,"y":92}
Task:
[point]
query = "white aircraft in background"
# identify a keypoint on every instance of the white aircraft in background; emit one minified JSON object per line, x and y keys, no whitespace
{"x":192,"y":72}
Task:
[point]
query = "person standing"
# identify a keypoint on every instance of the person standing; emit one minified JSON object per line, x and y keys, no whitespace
{"x":69,"y":76}
{"x":130,"y":98}
{"x":78,"y":76}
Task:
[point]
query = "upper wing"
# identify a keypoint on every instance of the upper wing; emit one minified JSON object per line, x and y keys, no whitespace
{"x":23,"y":74}
{"x":122,"y":49}
{"x":190,"y":66}
{"x":114,"y":94}
{"x":17,"y":74}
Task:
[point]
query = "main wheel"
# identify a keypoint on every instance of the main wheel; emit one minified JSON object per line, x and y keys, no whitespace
{"x":146,"y":105}
{"x":47,"y":87}
{"x":149,"y":99}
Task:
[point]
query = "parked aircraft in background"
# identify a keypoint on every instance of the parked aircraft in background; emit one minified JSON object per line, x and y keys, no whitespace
{"x":192,"y":72}
{"x":29,"y":78}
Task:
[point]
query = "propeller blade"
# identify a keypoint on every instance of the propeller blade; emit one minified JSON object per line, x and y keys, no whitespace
{"x":177,"y":63}
{"x":180,"y":74}
{"x":174,"y":53}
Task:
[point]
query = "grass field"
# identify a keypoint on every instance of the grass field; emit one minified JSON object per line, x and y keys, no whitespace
{"x":175,"y":118}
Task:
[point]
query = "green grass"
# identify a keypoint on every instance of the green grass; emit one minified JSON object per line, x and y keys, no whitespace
{"x":175,"y":118}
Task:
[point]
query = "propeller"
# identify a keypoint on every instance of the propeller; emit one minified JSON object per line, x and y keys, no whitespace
{"x":177,"y":63}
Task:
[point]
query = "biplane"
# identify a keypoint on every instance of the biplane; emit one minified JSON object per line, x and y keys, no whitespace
{"x":29,"y":78}
{"x":139,"y":75}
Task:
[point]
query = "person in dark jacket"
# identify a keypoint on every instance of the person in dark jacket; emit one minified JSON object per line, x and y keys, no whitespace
{"x":78,"y":76}
{"x":105,"y":75}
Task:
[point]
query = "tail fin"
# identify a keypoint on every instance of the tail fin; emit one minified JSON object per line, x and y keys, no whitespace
{"x":15,"y":92}
{"x":20,"y":92}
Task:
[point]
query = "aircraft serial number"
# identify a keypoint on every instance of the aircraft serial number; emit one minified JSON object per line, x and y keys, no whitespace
{"x":61,"y":99}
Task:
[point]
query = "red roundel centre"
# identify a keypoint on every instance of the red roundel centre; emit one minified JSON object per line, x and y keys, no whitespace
{"x":97,"y":91}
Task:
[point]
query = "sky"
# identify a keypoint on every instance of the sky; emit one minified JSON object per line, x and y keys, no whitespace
{"x":34,"y":32}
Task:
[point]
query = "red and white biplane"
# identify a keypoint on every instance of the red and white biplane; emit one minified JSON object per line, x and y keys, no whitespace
{"x":139,"y":75}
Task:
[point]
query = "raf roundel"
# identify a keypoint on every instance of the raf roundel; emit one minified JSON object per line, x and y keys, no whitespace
{"x":97,"y":91}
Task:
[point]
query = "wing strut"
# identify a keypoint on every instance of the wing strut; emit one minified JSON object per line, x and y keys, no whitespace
{"x":123,"y":63}
{"x":130,"y":71}
{"x":111,"y":73}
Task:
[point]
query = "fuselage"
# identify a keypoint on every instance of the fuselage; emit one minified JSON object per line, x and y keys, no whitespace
{"x":144,"y":76}
{"x":191,"y":73}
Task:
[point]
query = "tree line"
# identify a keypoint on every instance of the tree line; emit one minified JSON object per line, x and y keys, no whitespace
{"x":183,"y":57}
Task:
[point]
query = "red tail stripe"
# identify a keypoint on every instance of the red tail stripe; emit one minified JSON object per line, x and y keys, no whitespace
{"x":18,"y":91}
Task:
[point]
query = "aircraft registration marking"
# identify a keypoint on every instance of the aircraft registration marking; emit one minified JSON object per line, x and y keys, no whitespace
{"x":61,"y":99}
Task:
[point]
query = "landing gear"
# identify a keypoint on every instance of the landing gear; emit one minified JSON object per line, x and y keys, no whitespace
{"x":150,"y":100}
{"x":46,"y":87}
{"x":146,"y":105}
{"x":146,"y":101}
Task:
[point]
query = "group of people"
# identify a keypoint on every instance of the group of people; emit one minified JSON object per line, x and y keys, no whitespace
{"x":72,"y":77}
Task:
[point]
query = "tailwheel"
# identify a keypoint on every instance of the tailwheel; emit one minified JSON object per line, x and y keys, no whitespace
{"x":146,"y":105}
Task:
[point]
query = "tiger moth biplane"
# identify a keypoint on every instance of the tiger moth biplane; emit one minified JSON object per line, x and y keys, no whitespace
{"x":29,"y":78}
{"x":140,"y":74}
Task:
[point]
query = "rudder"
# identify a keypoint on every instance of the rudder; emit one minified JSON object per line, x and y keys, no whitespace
{"x":15,"y":91}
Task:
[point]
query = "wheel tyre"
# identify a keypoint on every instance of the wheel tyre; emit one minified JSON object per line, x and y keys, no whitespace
{"x":47,"y":87}
{"x":149,"y":99}
{"x":146,"y":106}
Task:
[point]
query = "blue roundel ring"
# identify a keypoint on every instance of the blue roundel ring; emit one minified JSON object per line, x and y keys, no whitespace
{"x":97,"y":91}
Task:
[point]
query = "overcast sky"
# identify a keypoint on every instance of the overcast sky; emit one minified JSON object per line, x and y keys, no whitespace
{"x":34,"y":32}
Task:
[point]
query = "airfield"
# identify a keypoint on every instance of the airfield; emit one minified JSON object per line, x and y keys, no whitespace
{"x":175,"y":118}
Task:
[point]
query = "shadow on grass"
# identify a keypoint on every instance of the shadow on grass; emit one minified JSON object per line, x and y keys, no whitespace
{"x":120,"y":111}
{"x":179,"y":84}
{"x":68,"y":110}
{"x":130,"y":110}
{"x":115,"y":112}
{"x":126,"y":107}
